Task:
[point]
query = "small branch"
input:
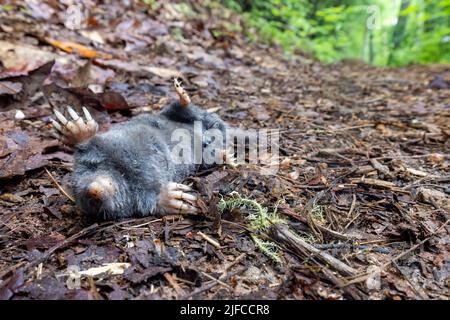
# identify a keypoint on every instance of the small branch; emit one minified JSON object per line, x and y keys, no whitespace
{"x":364,"y":276}
{"x":209,"y":239}
{"x":59,"y":186}
{"x":216,"y":280}
{"x":282,"y":233}
{"x":60,"y":245}
{"x":171,"y":280}
{"x":209,"y":286}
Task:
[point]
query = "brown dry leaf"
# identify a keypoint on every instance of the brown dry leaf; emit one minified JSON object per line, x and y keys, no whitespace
{"x":30,"y":82}
{"x":164,"y":73}
{"x":436,"y":158}
{"x":9,"y":197}
{"x":45,"y":241}
{"x":79,"y":97}
{"x":22,"y":57}
{"x":10,"y":88}
{"x":81,"y":50}
{"x":199,"y":55}
{"x":430,"y":196}
{"x":318,"y":180}
{"x":294,"y":174}
{"x":20,"y":152}
{"x":114,"y":268}
{"x":132,"y":67}
{"x":10,"y":286}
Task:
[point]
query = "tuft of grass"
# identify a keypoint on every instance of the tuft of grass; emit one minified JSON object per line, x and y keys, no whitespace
{"x":7,"y":7}
{"x":259,"y":220}
{"x":318,"y":214}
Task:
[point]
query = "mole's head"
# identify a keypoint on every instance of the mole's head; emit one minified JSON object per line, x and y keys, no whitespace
{"x":101,"y":195}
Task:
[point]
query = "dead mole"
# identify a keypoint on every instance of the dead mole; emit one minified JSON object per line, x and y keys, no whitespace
{"x":129,"y":170}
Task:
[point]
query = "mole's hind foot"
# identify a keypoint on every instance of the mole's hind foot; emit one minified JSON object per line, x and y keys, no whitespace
{"x":72,"y":132}
{"x":182,"y":94}
{"x":175,"y":198}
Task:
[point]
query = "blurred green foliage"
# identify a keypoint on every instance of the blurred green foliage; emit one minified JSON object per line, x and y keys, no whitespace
{"x":381,"y":32}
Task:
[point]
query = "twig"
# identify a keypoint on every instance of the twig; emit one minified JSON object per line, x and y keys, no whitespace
{"x":281,"y":232}
{"x":352,"y":206}
{"x":212,"y":285}
{"x":364,"y":276}
{"x":50,"y":251}
{"x":171,"y":280}
{"x":217,"y":280}
{"x":401,"y":255}
{"x":351,"y":221}
{"x":140,"y":225}
{"x":304,"y":220}
{"x":416,"y":289}
{"x":312,"y":202}
{"x":209,"y":239}
{"x":60,"y":245}
{"x":235,"y":262}
{"x":334,"y":246}
{"x":59,"y":186}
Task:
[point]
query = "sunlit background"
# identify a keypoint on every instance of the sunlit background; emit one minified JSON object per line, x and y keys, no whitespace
{"x":380,"y":32}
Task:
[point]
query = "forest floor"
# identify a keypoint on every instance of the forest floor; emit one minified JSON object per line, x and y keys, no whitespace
{"x":363,"y":183}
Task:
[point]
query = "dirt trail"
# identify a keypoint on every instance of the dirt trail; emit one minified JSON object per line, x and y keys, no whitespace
{"x":363,"y":175}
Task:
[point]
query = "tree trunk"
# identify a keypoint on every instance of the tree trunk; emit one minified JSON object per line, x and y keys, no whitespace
{"x":399,"y":30}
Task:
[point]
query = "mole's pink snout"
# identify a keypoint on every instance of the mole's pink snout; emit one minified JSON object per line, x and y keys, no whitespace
{"x":102,"y":188}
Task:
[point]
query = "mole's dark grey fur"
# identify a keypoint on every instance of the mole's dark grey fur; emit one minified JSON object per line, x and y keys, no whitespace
{"x":136,"y":156}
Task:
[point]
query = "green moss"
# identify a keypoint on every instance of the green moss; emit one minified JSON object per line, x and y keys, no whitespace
{"x":259,"y":220}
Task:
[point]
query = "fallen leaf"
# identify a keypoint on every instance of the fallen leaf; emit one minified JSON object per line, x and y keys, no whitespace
{"x":132,"y":67}
{"x":114,"y":268}
{"x":81,"y":50}
{"x":83,"y":96}
{"x":19,"y":152}
{"x":45,"y":241}
{"x":30,"y":83}
{"x":11,"y":198}
{"x":9,"y":287}
{"x":433,"y":196}
{"x":39,"y":10}
{"x":94,"y":36}
{"x":11,"y":88}
{"x":21,"y":58}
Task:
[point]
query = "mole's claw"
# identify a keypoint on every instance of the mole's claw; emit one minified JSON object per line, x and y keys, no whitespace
{"x":56,"y":125}
{"x":77,"y":130}
{"x":87,"y":115}
{"x":73,"y":114}
{"x":175,"y":198}
{"x":182,"y":195}
{"x":179,"y":206}
{"x":61,"y":118}
{"x":179,"y":186}
{"x":91,"y":124}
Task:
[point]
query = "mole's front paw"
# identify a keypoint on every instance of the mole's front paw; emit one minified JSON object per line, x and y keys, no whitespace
{"x":175,"y":198}
{"x":77,"y":130}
